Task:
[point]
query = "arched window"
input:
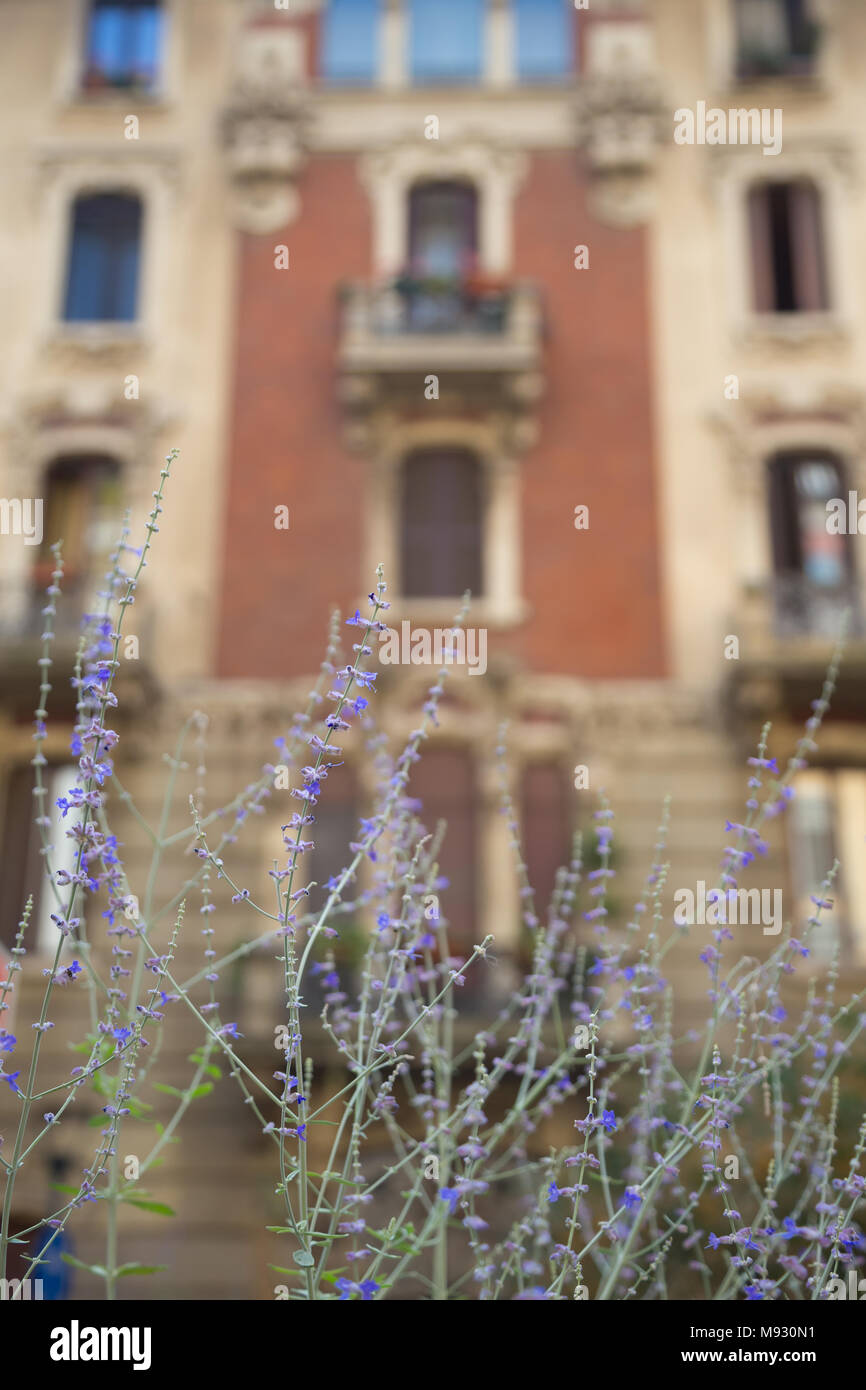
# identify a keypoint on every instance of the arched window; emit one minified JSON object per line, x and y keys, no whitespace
{"x":350,"y":41}
{"x":82,"y":509}
{"x":104,"y":259}
{"x":812,"y":564}
{"x":441,"y":524}
{"x":124,"y":39}
{"x":788,"y":256}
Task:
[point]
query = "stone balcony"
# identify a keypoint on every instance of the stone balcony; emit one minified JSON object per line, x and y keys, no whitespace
{"x":788,"y":629}
{"x":22,"y":625}
{"x":485,"y":339}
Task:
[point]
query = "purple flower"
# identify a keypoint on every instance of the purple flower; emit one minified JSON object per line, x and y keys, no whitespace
{"x":366,"y":1289}
{"x":450,"y":1195}
{"x":608,"y":1119}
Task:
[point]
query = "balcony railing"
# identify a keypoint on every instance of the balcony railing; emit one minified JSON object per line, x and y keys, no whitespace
{"x":790,"y":618}
{"x":22,"y":624}
{"x":462,"y":323}
{"x":804,"y":609}
{"x":796,"y":58}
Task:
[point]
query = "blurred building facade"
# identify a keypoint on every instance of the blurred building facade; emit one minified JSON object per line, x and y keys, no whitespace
{"x":434,"y":285}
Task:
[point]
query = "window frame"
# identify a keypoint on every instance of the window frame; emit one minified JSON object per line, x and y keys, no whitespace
{"x":502,"y":604}
{"x":806,"y":269}
{"x":827,"y":167}
{"x":75,"y":170}
{"x":70,"y":86}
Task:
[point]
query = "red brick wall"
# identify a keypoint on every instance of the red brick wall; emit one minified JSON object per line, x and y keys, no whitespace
{"x":286,"y":440}
{"x":595,"y":593}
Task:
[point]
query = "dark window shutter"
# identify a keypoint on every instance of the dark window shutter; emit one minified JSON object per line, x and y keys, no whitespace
{"x":546,"y":828}
{"x":444,"y":781}
{"x":441,"y":525}
{"x":807,"y":237}
{"x":763,"y":282}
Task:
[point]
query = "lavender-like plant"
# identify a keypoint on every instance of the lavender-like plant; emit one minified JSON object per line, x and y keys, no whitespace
{"x":715,"y":1154}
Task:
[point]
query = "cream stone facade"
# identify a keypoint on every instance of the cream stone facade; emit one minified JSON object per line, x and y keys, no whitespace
{"x":226,"y":147}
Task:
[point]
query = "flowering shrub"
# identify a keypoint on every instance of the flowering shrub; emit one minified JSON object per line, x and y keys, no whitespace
{"x":717,"y":1154}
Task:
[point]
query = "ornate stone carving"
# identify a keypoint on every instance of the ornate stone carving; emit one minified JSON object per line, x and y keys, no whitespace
{"x":263,"y":130}
{"x":619,"y":124}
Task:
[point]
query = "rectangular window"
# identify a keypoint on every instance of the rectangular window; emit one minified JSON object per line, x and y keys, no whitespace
{"x":441,"y":523}
{"x":23,"y":864}
{"x":813,"y":568}
{"x":827,"y":820}
{"x":104,"y":255}
{"x":787,"y":238}
{"x":546,"y":829}
{"x":124,"y":43}
{"x":775,"y":37}
{"x":350,"y":42}
{"x":543,"y":40}
{"x":446,"y":40}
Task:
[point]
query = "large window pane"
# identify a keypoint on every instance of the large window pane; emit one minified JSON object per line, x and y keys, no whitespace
{"x":350,"y":40}
{"x":102,"y":280}
{"x":543,"y":39}
{"x":124,"y":39}
{"x":446,"y":40}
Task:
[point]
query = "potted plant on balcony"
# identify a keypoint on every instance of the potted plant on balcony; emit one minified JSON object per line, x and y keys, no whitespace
{"x":487,"y":297}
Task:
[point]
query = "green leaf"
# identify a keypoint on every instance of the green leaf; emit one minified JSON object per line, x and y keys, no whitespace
{"x":66,"y":1187}
{"x":140,"y":1269}
{"x":333,"y":1275}
{"x":303,"y":1258}
{"x":159,"y":1207}
{"x":203,"y":1090}
{"x":280,"y":1270}
{"x":168,"y":1090}
{"x":335,"y":1177}
{"x":172,"y":1138}
{"x":79,"y":1264}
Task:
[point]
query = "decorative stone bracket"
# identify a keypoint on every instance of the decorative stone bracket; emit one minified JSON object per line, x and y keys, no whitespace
{"x":620,"y":125}
{"x":263,"y":129}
